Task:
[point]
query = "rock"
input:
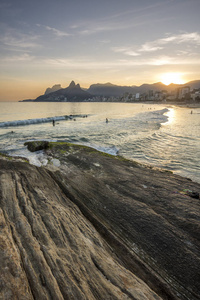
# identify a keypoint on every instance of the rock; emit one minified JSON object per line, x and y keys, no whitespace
{"x":37,"y":145}
{"x":49,"y":250}
{"x":85,"y":232}
{"x":153,"y":228}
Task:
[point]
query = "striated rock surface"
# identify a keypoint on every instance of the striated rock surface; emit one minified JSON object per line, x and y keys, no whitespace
{"x":49,"y":250}
{"x":97,"y":227}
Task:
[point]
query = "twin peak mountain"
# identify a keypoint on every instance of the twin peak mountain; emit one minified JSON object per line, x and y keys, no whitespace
{"x":72,"y":93}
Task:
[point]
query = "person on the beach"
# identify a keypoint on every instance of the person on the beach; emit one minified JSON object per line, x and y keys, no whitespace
{"x":106,"y":120}
{"x":53,"y":122}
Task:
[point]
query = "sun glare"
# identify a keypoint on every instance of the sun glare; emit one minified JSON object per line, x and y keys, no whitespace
{"x":168,"y":78}
{"x":171,"y":116}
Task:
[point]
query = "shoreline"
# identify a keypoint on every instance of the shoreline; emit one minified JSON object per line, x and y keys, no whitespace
{"x":144,"y":217}
{"x":188,"y":104}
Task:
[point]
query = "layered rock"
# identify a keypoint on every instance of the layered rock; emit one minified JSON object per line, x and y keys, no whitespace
{"x":49,"y":250}
{"x":97,"y":227}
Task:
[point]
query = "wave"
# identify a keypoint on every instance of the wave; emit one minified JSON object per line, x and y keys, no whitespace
{"x":153,"y":118}
{"x":36,"y":121}
{"x":112,"y":150}
{"x":159,"y":115}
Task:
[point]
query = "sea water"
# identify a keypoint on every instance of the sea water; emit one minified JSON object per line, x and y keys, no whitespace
{"x":159,"y":135}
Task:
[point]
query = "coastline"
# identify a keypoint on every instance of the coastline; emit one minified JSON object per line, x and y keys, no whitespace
{"x":148,"y":219}
{"x":174,"y":103}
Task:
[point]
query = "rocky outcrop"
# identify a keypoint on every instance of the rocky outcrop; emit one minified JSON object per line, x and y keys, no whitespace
{"x":97,"y":227}
{"x":72,"y":93}
{"x":54,"y":88}
{"x":37,"y":145}
{"x":49,"y":250}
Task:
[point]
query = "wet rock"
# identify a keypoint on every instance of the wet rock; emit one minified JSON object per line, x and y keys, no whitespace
{"x":152,"y":226}
{"x":49,"y":250}
{"x":37,"y":145}
{"x":97,"y":227}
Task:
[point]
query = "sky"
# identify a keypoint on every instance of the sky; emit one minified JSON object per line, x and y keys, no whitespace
{"x":125,"y":42}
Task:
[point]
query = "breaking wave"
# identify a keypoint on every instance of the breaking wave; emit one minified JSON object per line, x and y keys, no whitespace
{"x":157,"y":116}
{"x":35,"y":121}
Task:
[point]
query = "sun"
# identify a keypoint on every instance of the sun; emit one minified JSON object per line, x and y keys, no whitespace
{"x":168,"y":78}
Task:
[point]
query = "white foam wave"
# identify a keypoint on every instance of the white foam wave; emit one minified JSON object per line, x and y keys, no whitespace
{"x":159,"y":115}
{"x":110,"y":150}
{"x":33,"y":121}
{"x":155,"y":117}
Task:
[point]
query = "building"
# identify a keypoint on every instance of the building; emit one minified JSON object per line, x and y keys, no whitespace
{"x":183,"y":93}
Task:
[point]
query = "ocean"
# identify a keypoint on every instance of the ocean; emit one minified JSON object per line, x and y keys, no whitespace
{"x":159,"y":135}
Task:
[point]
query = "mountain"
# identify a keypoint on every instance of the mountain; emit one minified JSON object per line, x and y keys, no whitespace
{"x":73,"y":93}
{"x":108,"y":89}
{"x":54,"y":88}
{"x":195,"y":84}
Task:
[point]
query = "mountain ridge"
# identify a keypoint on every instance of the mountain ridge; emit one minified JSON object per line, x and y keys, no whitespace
{"x":74,"y":93}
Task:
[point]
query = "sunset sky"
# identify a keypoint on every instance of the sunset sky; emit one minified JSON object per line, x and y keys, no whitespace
{"x":127,"y":42}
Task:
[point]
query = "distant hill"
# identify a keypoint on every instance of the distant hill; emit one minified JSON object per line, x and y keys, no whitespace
{"x":73,"y":93}
{"x":109,"y":89}
{"x":195,"y":84}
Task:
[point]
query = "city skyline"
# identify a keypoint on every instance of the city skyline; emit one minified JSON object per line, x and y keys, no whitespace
{"x":125,"y":43}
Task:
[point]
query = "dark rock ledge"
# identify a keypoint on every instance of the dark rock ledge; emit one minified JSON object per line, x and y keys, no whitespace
{"x":97,"y":227}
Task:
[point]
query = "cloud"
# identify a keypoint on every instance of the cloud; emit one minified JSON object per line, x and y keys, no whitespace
{"x":170,"y":60}
{"x":160,"y":61}
{"x":181,"y":38}
{"x":89,"y":64}
{"x":104,"y":41}
{"x":57,"y":32}
{"x":76,"y":63}
{"x":121,"y":19}
{"x":193,"y":37}
{"x":149,"y":48}
{"x":139,"y":10}
{"x":18,"y":40}
{"x":125,"y":50}
{"x":18,"y":58}
{"x":169,"y":42}
{"x":106,"y":24}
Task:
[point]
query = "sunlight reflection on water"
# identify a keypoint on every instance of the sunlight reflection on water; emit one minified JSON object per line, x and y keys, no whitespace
{"x":148,"y":133}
